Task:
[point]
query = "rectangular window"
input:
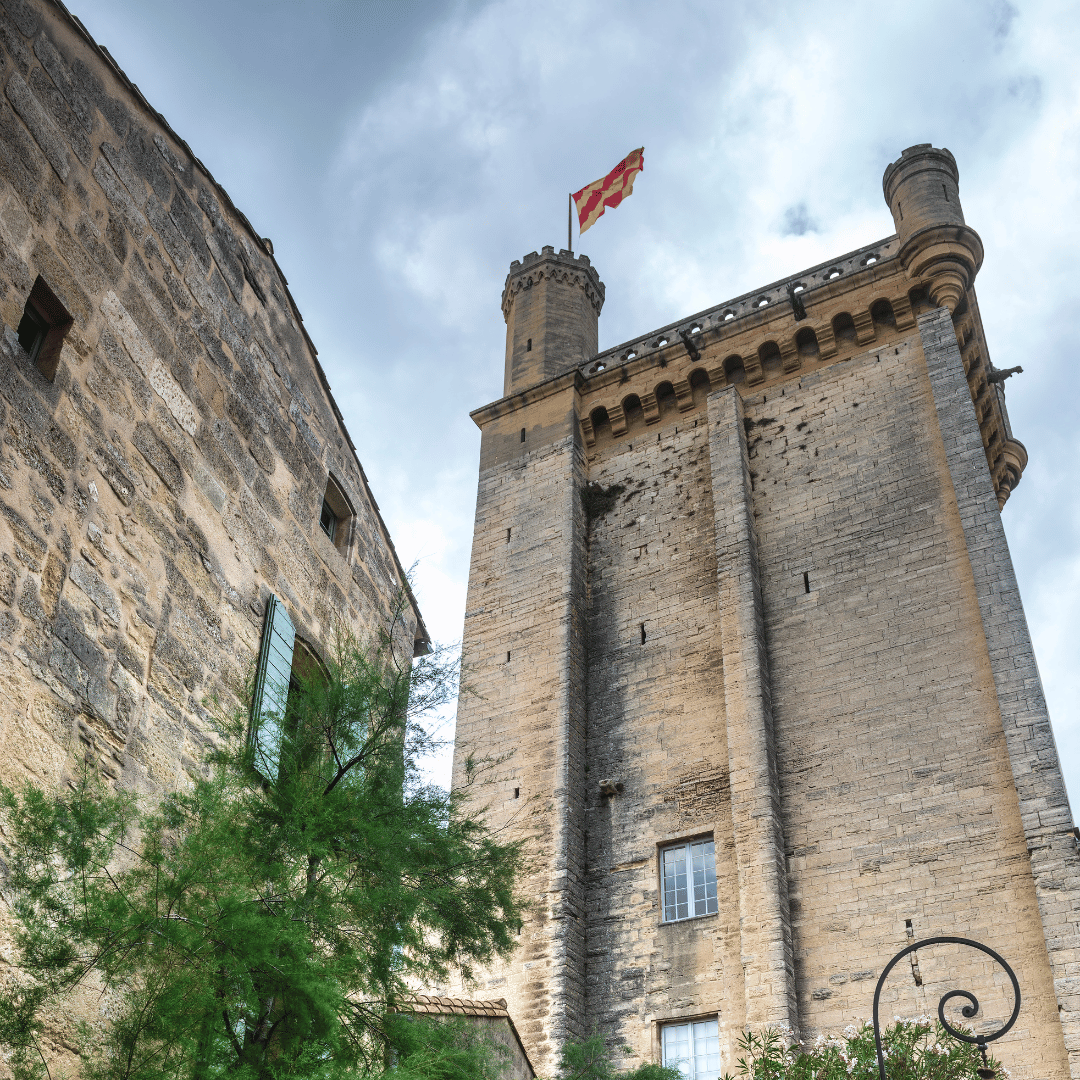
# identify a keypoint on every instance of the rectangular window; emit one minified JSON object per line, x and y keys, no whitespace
{"x":328,"y":520}
{"x":336,"y":516}
{"x":272,"y":678}
{"x":693,"y":1049}
{"x":688,"y":880}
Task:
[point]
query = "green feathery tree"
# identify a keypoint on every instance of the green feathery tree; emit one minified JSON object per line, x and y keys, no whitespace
{"x":265,"y":924}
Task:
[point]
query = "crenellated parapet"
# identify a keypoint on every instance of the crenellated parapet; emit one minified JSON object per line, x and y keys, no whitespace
{"x":564,"y":268}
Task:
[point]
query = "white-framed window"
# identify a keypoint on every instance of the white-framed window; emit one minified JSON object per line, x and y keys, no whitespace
{"x":688,"y":880}
{"x":693,"y":1048}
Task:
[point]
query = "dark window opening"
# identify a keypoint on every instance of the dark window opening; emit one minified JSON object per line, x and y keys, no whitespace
{"x":666,"y":401}
{"x":32,"y":330}
{"x":528,"y":345}
{"x":508,"y":536}
{"x":770,"y":359}
{"x":336,"y":516}
{"x":43,"y":327}
{"x":806,"y":581}
{"x":601,"y":423}
{"x":844,"y":328}
{"x":806,"y":342}
{"x":508,"y":656}
{"x":700,"y":385}
{"x":882,"y":313}
{"x":633,"y":412}
{"x":734,"y":369}
{"x":642,"y":628}
{"x":517,"y":792}
{"x":522,"y":434}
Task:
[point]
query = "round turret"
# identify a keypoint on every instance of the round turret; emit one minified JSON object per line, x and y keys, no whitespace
{"x":937,"y":248}
{"x":922,"y":189}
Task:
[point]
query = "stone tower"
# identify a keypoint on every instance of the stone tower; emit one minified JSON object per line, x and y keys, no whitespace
{"x":754,"y":677}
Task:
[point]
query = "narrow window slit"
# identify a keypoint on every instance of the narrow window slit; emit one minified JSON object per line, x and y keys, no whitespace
{"x":517,"y":792}
{"x":528,"y":345}
{"x":522,"y":434}
{"x":508,"y":536}
{"x":508,"y":656}
{"x":642,"y":629}
{"x":806,"y":580}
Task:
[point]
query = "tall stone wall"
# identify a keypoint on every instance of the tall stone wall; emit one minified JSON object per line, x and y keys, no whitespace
{"x":657,"y":727}
{"x":899,"y":812}
{"x":169,"y":476}
{"x":520,"y":757}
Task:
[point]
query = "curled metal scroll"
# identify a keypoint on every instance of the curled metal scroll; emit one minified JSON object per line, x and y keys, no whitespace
{"x":969,"y":1010}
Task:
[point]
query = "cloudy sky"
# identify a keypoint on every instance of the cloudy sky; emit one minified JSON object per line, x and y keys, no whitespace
{"x":400,"y":153}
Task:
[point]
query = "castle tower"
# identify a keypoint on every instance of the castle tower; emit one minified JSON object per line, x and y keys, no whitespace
{"x":551,"y":304}
{"x":753,"y":674}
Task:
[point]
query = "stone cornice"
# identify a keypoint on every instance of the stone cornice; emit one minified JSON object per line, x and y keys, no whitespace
{"x":564,"y":267}
{"x":514,"y":402}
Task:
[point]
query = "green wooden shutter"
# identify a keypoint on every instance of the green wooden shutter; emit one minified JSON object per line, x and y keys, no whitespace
{"x":272,"y":688}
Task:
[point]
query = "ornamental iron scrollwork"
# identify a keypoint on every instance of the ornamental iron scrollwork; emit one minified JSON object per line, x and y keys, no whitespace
{"x":968,"y":1011}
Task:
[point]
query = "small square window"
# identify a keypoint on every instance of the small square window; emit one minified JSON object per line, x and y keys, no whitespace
{"x":688,"y":880}
{"x":42,"y":329}
{"x":692,"y":1048}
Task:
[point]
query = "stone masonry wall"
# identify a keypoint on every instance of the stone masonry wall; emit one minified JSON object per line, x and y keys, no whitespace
{"x":656,"y":725}
{"x":170,"y":476}
{"x":900,"y":815}
{"x":521,"y":755}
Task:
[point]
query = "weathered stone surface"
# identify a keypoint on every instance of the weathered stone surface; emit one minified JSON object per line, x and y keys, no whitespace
{"x":39,"y":124}
{"x":788,"y":622}
{"x":157,"y":453}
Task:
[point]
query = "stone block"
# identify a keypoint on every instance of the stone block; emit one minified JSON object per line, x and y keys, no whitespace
{"x":40,"y":125}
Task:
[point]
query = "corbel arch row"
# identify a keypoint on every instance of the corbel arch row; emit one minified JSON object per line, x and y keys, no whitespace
{"x":774,"y":356}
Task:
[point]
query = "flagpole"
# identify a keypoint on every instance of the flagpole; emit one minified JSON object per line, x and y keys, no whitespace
{"x":569,"y":224}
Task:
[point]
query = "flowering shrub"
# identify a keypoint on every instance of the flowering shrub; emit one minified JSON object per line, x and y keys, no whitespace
{"x":918,"y":1049}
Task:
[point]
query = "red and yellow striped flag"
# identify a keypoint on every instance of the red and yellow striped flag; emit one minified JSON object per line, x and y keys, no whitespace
{"x":593,"y":199}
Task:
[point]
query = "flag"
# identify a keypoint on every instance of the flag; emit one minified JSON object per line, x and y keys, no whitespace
{"x":593,"y":199}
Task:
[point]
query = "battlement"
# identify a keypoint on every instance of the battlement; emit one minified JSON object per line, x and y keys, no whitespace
{"x":549,"y":251}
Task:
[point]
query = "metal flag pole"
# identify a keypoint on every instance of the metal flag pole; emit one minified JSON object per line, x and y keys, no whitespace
{"x":569,"y":224}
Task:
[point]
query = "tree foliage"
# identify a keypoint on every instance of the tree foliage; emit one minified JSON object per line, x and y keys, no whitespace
{"x":263,"y":928}
{"x":592,"y":1059}
{"x":918,"y":1049}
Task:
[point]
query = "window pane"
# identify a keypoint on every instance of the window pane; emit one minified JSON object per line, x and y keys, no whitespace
{"x":703,"y":860}
{"x":676,"y":1048}
{"x":272,"y":687}
{"x":706,"y":1050}
{"x":676,"y":899}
